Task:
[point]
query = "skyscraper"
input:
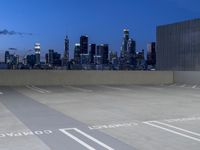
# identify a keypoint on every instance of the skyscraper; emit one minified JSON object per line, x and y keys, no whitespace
{"x":98,"y":57}
{"x":92,"y":52}
{"x":105,"y":54}
{"x":57,"y":59}
{"x":131,"y":52}
{"x":37,"y":53}
{"x":128,"y":52}
{"x":50,"y":57}
{"x":46,"y":58}
{"x":31,"y":60}
{"x":124,"y":47}
{"x":7,"y":57}
{"x":103,"y":51}
{"x":53,"y":58}
{"x":66,"y":51}
{"x":77,"y":53}
{"x":84,"y":44}
{"x":151,"y":54}
{"x":140,"y":60}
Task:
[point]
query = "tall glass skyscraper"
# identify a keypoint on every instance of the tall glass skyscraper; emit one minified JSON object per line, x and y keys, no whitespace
{"x":128,"y":52}
{"x":131,"y":52}
{"x":84,"y":44}
{"x":124,"y":47}
{"x":92,"y":52}
{"x":77,"y":53}
{"x":37,"y":53}
{"x":66,"y":51}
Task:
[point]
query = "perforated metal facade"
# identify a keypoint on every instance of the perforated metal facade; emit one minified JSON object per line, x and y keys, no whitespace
{"x":178,"y":46}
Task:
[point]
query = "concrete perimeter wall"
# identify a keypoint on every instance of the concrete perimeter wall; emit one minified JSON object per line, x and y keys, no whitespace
{"x":187,"y":77}
{"x":19,"y":78}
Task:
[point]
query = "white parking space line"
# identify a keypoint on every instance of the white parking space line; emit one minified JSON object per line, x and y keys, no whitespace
{"x":30,"y":87}
{"x":172,"y":85}
{"x":155,"y":124}
{"x":77,"y":140}
{"x":65,"y":131}
{"x":41,"y":89}
{"x":171,"y":126}
{"x":184,"y":85}
{"x":77,"y":88}
{"x":34,"y":88}
{"x":114,"y":88}
{"x":1,"y":93}
{"x":182,"y":119}
{"x":195,"y":86}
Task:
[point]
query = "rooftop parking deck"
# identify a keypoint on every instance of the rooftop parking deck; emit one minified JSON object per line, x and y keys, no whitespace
{"x":101,"y":117}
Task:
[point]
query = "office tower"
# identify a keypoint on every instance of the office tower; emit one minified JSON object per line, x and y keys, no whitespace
{"x":7,"y":57}
{"x":92,"y":52}
{"x":50,"y":57}
{"x":77,"y":53}
{"x":140,"y":60}
{"x":178,"y":46}
{"x":66,"y":52}
{"x":128,"y":52}
{"x":37,"y":53}
{"x":57,"y":59}
{"x":47,"y":59}
{"x":124,"y":47}
{"x":105,"y":54}
{"x":131,"y":51}
{"x":98,"y":57}
{"x":17,"y":59}
{"x":84,"y":44}
{"x":113,"y":58}
{"x":151,"y":54}
{"x":85,"y":59}
{"x":102,"y":51}
{"x":53,"y":58}
{"x":12,"y":59}
{"x":31,"y":60}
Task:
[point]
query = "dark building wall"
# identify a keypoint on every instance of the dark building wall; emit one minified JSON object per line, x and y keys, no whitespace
{"x":178,"y":46}
{"x":151,"y":54}
{"x":31,"y":60}
{"x":84,"y":44}
{"x":77,"y":54}
{"x":51,"y":53}
{"x":103,"y":50}
{"x":104,"y":54}
{"x":92,"y":52}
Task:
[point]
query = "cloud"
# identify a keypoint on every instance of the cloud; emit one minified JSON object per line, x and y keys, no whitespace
{"x":7,"y":32}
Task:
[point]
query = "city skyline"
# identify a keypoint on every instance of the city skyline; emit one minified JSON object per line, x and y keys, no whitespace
{"x":32,"y":21}
{"x":87,"y":56}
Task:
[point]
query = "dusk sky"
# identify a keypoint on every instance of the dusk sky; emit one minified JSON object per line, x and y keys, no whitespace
{"x":48,"y":21}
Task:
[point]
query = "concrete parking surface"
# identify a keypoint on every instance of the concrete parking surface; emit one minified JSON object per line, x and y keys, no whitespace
{"x":101,"y":117}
